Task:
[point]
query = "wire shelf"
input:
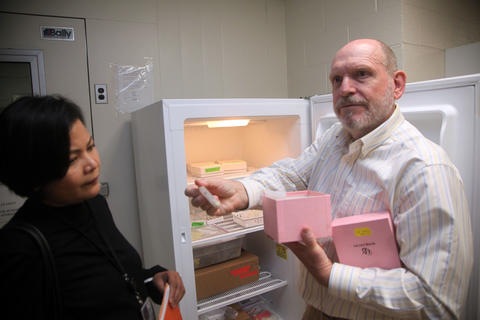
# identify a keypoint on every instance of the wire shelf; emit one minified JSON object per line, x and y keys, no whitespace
{"x":264,"y":284}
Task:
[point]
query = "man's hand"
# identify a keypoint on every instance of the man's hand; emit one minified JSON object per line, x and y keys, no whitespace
{"x":177,"y":290}
{"x":312,"y":255}
{"x":231,"y":194}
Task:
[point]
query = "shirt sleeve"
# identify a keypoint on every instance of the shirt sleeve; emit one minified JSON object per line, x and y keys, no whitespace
{"x":434,"y":235}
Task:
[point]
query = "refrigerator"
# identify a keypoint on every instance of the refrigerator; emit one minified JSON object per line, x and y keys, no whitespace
{"x":172,"y":133}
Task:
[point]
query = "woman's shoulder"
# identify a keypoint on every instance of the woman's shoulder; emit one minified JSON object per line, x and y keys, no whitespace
{"x":16,"y":241}
{"x":98,"y":201}
{"x":99,"y":205}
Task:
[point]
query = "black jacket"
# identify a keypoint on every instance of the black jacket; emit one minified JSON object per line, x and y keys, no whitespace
{"x":91,"y":284}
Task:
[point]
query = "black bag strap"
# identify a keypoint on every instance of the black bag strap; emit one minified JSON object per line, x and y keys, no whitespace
{"x":51,"y":281}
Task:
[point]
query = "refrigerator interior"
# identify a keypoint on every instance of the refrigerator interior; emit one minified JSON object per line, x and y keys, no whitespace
{"x":263,"y":141}
{"x":172,"y":133}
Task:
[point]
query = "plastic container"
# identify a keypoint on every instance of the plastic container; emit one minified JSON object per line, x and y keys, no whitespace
{"x":217,"y":252}
{"x":248,"y":218}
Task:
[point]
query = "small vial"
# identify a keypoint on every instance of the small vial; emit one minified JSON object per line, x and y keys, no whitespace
{"x":211,"y":199}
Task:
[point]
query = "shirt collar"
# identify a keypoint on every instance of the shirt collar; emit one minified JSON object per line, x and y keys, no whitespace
{"x":376,"y":137}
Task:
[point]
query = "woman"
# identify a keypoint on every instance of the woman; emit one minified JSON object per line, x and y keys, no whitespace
{"x":48,"y":156}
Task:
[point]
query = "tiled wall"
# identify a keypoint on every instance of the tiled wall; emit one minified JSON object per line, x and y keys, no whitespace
{"x":418,"y":31}
{"x":220,"y":48}
{"x":431,"y":26}
{"x":462,"y":60}
{"x":316,"y":29}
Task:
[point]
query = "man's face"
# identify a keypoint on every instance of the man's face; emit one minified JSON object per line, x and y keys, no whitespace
{"x":363,"y":91}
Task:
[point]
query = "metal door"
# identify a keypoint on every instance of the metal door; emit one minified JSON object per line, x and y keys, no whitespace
{"x":36,"y":57}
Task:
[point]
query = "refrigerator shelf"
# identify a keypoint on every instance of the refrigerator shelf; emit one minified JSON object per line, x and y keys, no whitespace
{"x":265,"y":284}
{"x":231,"y":230}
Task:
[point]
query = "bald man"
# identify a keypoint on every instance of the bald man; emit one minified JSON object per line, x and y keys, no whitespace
{"x":373,"y":160}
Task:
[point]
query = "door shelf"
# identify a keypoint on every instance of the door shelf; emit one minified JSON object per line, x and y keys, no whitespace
{"x":231,"y":229}
{"x":264,"y":284}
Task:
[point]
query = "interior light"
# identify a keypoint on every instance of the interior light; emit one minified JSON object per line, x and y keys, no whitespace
{"x":228,"y":123}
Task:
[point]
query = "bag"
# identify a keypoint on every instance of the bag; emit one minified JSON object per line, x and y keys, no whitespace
{"x":51,"y":279}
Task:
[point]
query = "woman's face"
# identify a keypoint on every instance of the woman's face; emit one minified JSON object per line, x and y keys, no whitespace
{"x":81,"y":180}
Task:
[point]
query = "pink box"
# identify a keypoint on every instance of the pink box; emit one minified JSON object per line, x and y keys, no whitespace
{"x":366,"y":240}
{"x":284,"y":217}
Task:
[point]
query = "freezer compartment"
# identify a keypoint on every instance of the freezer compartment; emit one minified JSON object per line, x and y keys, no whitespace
{"x":238,"y":151}
{"x":216,"y":252}
{"x":167,"y":137}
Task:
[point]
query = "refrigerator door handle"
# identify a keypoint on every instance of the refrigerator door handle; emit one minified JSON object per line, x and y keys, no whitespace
{"x":447,"y":113}
{"x":448,"y":116}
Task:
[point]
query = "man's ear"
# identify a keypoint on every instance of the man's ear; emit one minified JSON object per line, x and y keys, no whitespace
{"x":399,"y":81}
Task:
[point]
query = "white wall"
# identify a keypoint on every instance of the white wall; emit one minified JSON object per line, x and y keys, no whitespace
{"x":431,"y":26}
{"x":316,"y":29}
{"x":462,"y":60}
{"x":219,"y":48}
{"x":418,"y":31}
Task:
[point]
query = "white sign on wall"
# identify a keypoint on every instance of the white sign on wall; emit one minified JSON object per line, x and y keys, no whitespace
{"x":57,"y":33}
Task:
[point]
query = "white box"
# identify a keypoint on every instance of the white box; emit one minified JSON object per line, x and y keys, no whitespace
{"x":248,"y":218}
{"x":205,"y":169}
{"x":233,"y":166}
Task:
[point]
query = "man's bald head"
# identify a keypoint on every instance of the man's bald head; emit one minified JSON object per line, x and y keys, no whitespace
{"x":388,"y":58}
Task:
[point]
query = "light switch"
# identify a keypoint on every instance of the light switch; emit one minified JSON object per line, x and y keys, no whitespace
{"x":101,"y":93}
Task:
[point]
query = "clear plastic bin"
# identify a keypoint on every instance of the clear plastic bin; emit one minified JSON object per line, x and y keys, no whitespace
{"x":221,"y":251}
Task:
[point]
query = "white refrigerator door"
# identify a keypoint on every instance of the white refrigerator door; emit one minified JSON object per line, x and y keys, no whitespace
{"x":160,"y":166}
{"x":447,"y":112}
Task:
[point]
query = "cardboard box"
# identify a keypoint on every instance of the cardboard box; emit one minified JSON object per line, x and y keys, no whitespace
{"x":284,"y":217}
{"x":227,"y":275}
{"x":366,"y":240}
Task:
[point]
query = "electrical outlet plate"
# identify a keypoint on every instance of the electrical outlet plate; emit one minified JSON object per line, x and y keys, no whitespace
{"x":101,"y":93}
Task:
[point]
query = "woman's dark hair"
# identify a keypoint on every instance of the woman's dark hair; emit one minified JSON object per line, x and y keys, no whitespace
{"x":35,"y":142}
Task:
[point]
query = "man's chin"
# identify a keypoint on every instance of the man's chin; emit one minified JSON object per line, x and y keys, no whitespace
{"x":355,"y":127}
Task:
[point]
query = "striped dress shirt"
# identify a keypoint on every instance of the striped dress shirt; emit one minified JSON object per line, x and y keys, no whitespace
{"x":393,"y":168}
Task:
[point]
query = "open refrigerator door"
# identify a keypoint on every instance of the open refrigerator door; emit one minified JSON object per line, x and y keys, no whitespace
{"x":446,"y":111}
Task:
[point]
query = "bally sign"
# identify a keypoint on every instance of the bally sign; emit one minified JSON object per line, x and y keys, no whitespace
{"x":57,"y":33}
